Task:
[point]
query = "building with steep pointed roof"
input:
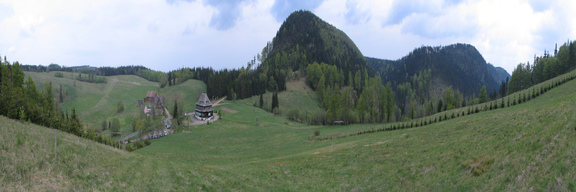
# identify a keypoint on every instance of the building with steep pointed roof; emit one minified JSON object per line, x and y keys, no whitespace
{"x":204,"y":108}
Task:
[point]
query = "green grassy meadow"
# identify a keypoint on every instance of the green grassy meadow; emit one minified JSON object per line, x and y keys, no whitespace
{"x":526,"y":147}
{"x":97,"y":102}
{"x":297,"y":95}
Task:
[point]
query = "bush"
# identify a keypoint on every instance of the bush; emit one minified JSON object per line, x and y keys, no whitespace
{"x":58,"y":74}
{"x":147,"y":142}
{"x":115,"y":127}
{"x":293,"y":114}
{"x":317,"y":133}
{"x":119,"y":107}
{"x":139,"y":144}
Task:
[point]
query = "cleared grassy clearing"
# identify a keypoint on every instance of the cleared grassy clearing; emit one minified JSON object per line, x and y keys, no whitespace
{"x":297,"y":95}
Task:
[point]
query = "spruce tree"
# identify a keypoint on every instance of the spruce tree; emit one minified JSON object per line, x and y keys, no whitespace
{"x":261,"y":100}
{"x":483,"y":97}
{"x":175,"y":112}
{"x":274,"y":101}
{"x":61,"y":97}
{"x":169,"y":79}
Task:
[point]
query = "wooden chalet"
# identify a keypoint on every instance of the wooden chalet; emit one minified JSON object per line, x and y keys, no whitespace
{"x":204,"y":108}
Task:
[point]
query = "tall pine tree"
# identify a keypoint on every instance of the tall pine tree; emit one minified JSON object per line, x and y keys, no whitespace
{"x":261,"y":100}
{"x":483,"y":97}
{"x":275,"y":101}
{"x":175,"y":112}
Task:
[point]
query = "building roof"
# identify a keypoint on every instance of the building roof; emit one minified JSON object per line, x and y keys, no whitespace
{"x":204,"y":101}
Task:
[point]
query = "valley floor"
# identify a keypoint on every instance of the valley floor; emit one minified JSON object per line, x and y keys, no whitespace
{"x":527,"y":147}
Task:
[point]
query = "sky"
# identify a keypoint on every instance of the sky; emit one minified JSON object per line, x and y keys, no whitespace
{"x":166,"y":35}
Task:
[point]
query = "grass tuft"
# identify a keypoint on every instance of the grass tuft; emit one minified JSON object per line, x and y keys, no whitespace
{"x":478,"y":165}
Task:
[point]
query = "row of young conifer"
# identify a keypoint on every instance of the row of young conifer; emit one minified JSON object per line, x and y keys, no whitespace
{"x":508,"y":101}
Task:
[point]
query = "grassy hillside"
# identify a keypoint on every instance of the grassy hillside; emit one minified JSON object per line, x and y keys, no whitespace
{"x":524,"y":147}
{"x":297,"y":95}
{"x":186,"y":93}
{"x":27,"y":164}
{"x":97,"y":102}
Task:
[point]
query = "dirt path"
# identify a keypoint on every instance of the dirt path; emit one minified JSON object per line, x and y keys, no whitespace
{"x":169,"y":117}
{"x":107,"y":90}
{"x":218,"y":102}
{"x":129,"y":136}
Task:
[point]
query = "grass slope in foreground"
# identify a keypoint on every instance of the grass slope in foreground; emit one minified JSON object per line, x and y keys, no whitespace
{"x":524,"y":147}
{"x":27,"y":164}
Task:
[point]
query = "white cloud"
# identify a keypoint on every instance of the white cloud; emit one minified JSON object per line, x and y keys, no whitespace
{"x":168,"y":35}
{"x":505,"y":32}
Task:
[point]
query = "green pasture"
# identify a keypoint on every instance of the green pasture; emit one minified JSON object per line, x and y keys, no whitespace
{"x":95,"y":103}
{"x":526,"y":147}
{"x":297,"y":95}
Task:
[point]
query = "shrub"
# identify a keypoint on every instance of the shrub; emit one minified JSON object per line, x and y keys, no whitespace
{"x":293,"y":114}
{"x":119,"y":107}
{"x":147,"y":142}
{"x":317,"y":133}
{"x":139,"y":144}
{"x":19,"y":141}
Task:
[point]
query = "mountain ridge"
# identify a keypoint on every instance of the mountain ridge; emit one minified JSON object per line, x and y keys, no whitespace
{"x":452,"y":64}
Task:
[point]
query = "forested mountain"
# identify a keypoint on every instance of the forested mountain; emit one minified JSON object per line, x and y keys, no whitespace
{"x":498,"y":73}
{"x":459,"y":65}
{"x":349,"y":86}
{"x":304,"y":38}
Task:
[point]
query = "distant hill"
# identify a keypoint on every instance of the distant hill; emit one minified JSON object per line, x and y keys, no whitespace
{"x":458,"y":65}
{"x":498,"y":73}
{"x":305,"y":38}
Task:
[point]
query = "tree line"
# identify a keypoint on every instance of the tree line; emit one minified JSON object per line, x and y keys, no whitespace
{"x":503,"y":102}
{"x":91,"y":74}
{"x":544,"y":67}
{"x":90,"y":77}
{"x":235,"y":83}
{"x":356,"y":99}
